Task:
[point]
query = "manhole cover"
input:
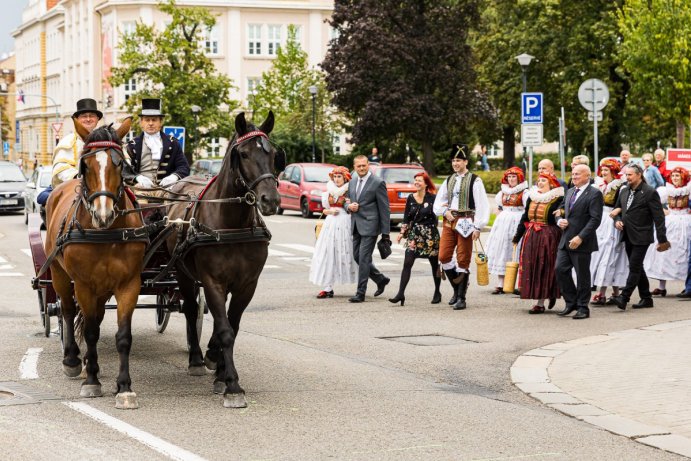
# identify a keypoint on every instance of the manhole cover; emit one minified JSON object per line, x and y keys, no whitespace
{"x":429,"y":340}
{"x":6,"y":395}
{"x":12,"y":393}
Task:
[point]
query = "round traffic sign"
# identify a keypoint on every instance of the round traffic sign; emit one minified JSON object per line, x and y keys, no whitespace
{"x":593,"y":94}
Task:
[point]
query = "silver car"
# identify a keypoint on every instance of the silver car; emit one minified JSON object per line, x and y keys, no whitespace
{"x":12,"y":182}
{"x":36,"y":184}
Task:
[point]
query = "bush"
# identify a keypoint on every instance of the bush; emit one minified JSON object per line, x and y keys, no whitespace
{"x":491,"y":180}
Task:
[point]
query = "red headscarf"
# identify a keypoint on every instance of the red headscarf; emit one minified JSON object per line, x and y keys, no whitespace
{"x":513,"y":170}
{"x":553,"y":181}
{"x":430,"y":187}
{"x":613,"y":165}
{"x":684,"y":175}
{"x":342,"y":171}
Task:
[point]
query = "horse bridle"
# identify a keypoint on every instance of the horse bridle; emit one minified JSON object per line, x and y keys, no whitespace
{"x":116,"y":156}
{"x":242,"y":181}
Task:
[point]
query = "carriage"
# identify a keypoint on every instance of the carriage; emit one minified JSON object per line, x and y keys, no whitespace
{"x":212,"y":236}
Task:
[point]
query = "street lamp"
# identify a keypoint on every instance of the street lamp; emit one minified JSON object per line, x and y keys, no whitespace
{"x":195,"y":110}
{"x":313,"y":92}
{"x":524,"y":60}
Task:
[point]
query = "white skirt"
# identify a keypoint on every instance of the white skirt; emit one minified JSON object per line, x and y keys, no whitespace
{"x":333,"y":261}
{"x":499,"y":242}
{"x":673,"y":263}
{"x":609,"y":265}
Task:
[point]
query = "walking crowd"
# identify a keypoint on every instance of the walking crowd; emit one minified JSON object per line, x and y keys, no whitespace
{"x":592,"y":234}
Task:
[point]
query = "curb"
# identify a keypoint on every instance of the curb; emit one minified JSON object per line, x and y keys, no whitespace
{"x":530,"y":373}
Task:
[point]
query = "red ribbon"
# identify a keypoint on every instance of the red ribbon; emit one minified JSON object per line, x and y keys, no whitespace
{"x":535,"y":226}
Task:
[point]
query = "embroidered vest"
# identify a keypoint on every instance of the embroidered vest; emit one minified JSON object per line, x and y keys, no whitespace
{"x":340,"y":202}
{"x":512,"y":199}
{"x":466,"y":201}
{"x":610,"y":197}
{"x":539,"y":211}
{"x":680,"y":202}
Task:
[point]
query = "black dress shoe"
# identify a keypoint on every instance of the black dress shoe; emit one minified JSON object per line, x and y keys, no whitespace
{"x":643,"y":303}
{"x":552,"y":303}
{"x":436,"y":299}
{"x":684,"y":294}
{"x":453,"y":299}
{"x":357,"y":299}
{"x":619,"y":302}
{"x":566,"y":311}
{"x":581,"y":315}
{"x":381,"y":286}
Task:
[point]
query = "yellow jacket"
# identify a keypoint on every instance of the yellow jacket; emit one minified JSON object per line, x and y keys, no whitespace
{"x":65,"y":158}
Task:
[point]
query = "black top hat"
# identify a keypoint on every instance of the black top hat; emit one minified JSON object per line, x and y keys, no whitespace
{"x":151,"y":107}
{"x":87,"y":105}
{"x":459,"y":151}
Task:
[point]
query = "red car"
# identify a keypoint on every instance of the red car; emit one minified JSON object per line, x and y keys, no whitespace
{"x":399,"y":180}
{"x":301,"y":186}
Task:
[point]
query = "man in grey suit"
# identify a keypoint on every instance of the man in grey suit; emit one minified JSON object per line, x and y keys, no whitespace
{"x":370,"y":213}
{"x":582,"y":215}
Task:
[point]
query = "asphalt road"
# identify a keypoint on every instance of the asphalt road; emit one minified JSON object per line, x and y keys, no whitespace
{"x":325,"y":379}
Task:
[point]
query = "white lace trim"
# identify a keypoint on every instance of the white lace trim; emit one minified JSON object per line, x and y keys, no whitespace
{"x":673,"y":191}
{"x":536,"y":196}
{"x":506,"y":190}
{"x":615,"y":184}
{"x":336,"y":191}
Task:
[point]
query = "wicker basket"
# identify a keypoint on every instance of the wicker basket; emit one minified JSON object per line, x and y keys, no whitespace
{"x":511,"y":273}
{"x":318,"y":227}
{"x":482,"y":269}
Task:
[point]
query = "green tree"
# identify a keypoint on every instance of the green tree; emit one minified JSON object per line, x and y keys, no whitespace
{"x":656,"y":53}
{"x":284,"y":89}
{"x":404,"y":69}
{"x":171,"y":64}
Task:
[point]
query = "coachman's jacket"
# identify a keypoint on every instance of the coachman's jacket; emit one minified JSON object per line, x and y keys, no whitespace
{"x":172,"y":158}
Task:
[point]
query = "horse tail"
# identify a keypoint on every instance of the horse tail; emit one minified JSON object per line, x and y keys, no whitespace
{"x":79,"y":327}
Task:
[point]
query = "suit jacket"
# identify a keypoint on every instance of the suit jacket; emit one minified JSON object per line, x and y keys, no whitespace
{"x":584,"y":218}
{"x":645,"y":210}
{"x":374,"y":214}
{"x":172,"y":158}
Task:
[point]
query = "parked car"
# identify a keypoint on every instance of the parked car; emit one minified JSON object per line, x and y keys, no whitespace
{"x":12,"y":182}
{"x":399,"y":180}
{"x":37,"y":183}
{"x":301,"y":186}
{"x":206,"y":167}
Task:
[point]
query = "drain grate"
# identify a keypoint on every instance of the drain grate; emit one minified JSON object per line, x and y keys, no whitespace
{"x":429,"y":340}
{"x":19,"y":394}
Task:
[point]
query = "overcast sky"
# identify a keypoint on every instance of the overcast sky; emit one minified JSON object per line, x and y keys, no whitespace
{"x":10,"y":19}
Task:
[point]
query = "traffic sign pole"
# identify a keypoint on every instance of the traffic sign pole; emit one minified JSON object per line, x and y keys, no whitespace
{"x":593,"y":95}
{"x":595,"y":146}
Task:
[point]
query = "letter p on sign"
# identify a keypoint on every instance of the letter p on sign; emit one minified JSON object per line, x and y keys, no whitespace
{"x":531,"y":107}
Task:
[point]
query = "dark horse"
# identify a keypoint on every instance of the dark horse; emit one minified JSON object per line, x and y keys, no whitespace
{"x":99,"y":269}
{"x":247,"y":183}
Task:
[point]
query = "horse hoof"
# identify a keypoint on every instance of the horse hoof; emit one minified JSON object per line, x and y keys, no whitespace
{"x":219,"y":387}
{"x":199,"y":370}
{"x":234,"y":401}
{"x":91,"y":390}
{"x":210,"y":364}
{"x":72,"y":372}
{"x":126,"y":401}
{"x":83,"y":372}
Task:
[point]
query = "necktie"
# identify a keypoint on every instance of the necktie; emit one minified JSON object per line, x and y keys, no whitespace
{"x":630,"y":199}
{"x":359,"y":188}
{"x":572,"y":200}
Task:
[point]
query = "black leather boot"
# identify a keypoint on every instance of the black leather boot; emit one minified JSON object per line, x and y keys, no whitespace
{"x":452,"y":275}
{"x":462,"y":289}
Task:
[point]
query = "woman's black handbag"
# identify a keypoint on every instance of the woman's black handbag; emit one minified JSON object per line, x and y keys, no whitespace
{"x":384,"y":247}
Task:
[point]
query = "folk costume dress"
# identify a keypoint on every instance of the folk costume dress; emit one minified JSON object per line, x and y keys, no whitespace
{"x":333,"y":261}
{"x":511,"y":201}
{"x":538,"y":228}
{"x":609,"y":265}
{"x":673,"y":263}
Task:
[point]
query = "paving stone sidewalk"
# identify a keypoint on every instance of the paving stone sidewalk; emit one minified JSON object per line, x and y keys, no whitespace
{"x":635,"y":383}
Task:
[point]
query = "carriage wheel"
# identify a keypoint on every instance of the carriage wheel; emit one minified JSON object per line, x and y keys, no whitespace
{"x":162,"y":313}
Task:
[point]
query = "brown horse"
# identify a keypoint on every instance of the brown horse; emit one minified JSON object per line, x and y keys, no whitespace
{"x":247,"y":183}
{"x":99,"y":269}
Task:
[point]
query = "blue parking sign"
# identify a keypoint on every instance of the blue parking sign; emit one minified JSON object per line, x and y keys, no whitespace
{"x":177,"y":132}
{"x":531,"y":107}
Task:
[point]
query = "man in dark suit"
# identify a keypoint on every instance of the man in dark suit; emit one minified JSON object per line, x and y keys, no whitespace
{"x":371,"y":215}
{"x":156,"y":159}
{"x":582,"y":215}
{"x":640,"y":209}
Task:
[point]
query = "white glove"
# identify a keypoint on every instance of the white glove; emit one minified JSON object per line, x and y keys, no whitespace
{"x":168,"y":180}
{"x":144,"y":182}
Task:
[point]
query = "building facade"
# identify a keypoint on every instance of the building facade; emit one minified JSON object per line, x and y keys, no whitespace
{"x":7,"y":106}
{"x":65,"y":50}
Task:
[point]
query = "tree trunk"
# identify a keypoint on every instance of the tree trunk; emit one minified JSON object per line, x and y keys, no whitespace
{"x":681,"y":129}
{"x":428,"y":155}
{"x":509,"y":137}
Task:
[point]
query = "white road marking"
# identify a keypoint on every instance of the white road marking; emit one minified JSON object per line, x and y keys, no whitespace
{"x":27,"y":367}
{"x":165,"y":448}
{"x":6,"y":266}
{"x":11,"y":274}
{"x":269,"y":266}
{"x":298,"y":247}
{"x":273,"y":252}
{"x":2,"y":260}
{"x":385,"y":264}
{"x":274,"y":221}
{"x":296,"y":258}
{"x":27,"y":252}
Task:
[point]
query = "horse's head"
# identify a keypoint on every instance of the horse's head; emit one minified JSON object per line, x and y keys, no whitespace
{"x":100,"y":168}
{"x":255,"y":159}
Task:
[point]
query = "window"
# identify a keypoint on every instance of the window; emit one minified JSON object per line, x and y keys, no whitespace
{"x":128,"y":27}
{"x":130,"y":88}
{"x":210,"y":41}
{"x":252,"y":84}
{"x":298,"y":35}
{"x":336,"y":144}
{"x":214,"y":149}
{"x":254,"y":39}
{"x":274,"y":41}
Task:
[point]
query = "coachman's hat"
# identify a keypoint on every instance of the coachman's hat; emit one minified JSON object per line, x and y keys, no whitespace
{"x":459,"y":151}
{"x":151,"y":107}
{"x":87,"y":105}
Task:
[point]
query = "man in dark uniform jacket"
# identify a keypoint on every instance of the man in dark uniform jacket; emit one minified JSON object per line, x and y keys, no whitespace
{"x":640,"y":209}
{"x":156,"y":158}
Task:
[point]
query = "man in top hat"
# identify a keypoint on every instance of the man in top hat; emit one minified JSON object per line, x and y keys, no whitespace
{"x":66,"y":153}
{"x":462,"y":201}
{"x":156,"y":159}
